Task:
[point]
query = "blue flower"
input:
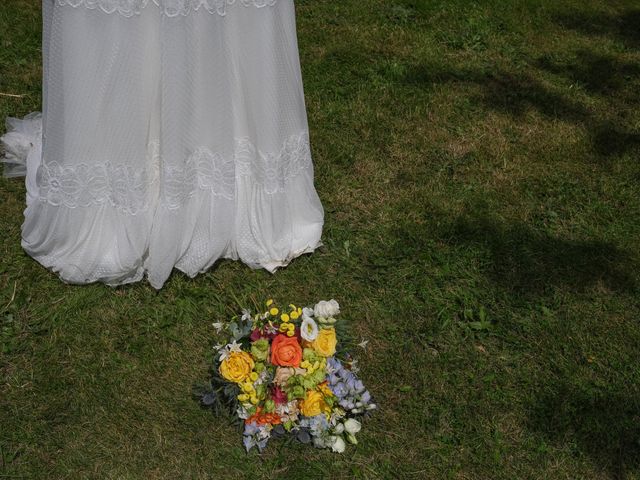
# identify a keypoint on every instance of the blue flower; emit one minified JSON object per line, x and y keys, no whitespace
{"x":339,"y":390}
{"x":349,"y":389}
{"x":248,"y":441}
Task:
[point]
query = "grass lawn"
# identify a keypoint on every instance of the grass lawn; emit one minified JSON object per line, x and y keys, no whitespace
{"x":470,"y":155}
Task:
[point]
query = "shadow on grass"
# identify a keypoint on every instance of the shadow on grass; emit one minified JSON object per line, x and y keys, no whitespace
{"x":613,"y":79}
{"x":604,"y":426}
{"x":517,"y":93}
{"x":599,"y":74}
{"x":622,"y":27}
{"x":523,"y":259}
{"x":518,"y":258}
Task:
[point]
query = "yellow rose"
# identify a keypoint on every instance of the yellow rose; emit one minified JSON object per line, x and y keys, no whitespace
{"x":324,"y":388}
{"x":325,"y":342}
{"x":237,"y":367}
{"x":313,"y":404}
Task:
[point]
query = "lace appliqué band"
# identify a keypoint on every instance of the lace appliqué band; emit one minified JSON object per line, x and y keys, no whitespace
{"x":170,"y":8}
{"x":133,"y":190}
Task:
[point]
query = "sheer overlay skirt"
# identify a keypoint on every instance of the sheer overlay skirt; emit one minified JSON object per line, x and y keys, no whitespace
{"x":173,"y":133}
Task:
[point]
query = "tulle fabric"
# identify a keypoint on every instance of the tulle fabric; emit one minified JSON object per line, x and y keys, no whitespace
{"x":166,"y":142}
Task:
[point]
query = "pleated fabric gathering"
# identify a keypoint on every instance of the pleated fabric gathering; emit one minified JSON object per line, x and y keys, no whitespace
{"x":173,"y":133}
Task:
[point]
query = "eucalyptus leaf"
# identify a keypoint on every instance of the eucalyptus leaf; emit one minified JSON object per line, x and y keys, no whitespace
{"x":303,"y":436}
{"x":209,"y":399}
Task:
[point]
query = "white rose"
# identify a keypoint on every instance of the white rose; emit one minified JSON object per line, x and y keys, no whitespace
{"x":326,"y":309}
{"x":352,"y":426}
{"x":338,"y":444}
{"x":308,"y":329}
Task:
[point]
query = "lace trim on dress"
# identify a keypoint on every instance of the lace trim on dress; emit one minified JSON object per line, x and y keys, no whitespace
{"x":131,"y":190}
{"x":125,"y":187}
{"x":170,"y":8}
{"x":273,"y":170}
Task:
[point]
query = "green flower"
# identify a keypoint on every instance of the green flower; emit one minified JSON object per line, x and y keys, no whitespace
{"x":296,"y":392}
{"x":308,"y":383}
{"x":318,"y":376}
{"x":260,"y":391}
{"x":269,"y":406}
{"x":260,"y":349}
{"x":310,"y":355}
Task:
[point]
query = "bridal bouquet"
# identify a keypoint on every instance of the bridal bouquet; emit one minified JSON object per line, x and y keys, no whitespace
{"x":283,"y":373}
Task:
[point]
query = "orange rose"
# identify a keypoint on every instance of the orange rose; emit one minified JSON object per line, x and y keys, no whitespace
{"x":286,"y":351}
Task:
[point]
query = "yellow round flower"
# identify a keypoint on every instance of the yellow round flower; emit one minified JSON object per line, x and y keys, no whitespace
{"x":243,"y":397}
{"x":237,"y":367}
{"x":246,"y":387}
{"x":284,"y":317}
{"x":253,"y":376}
{"x":274,"y":311}
{"x":290,"y":333}
{"x":325,"y":342}
{"x":295,"y":315}
{"x":313,"y":404}
{"x":269,"y":302}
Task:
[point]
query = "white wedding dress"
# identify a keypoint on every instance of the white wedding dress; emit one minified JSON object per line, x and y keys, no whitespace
{"x":173,"y":133}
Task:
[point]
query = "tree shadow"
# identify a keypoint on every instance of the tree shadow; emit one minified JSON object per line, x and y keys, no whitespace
{"x":622,"y":27}
{"x":527,"y":260}
{"x":520,"y":259}
{"x":517,"y":93}
{"x":603,"y":425}
{"x":609,"y":78}
{"x":597,"y":73}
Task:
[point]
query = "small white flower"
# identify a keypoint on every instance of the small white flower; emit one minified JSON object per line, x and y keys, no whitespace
{"x":218,"y":326}
{"x":246,"y":314}
{"x":218,"y":347}
{"x":326,"y":309}
{"x":338,"y":444}
{"x":353,"y":426}
{"x":363,"y":344}
{"x":336,"y":416}
{"x":309,"y":329}
{"x":234,"y":347}
{"x":264,"y":431}
{"x":224,"y":354}
{"x":242,"y":413}
{"x":354,"y":366}
{"x":270,"y":329}
{"x":229,"y":348}
{"x":339,"y":428}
